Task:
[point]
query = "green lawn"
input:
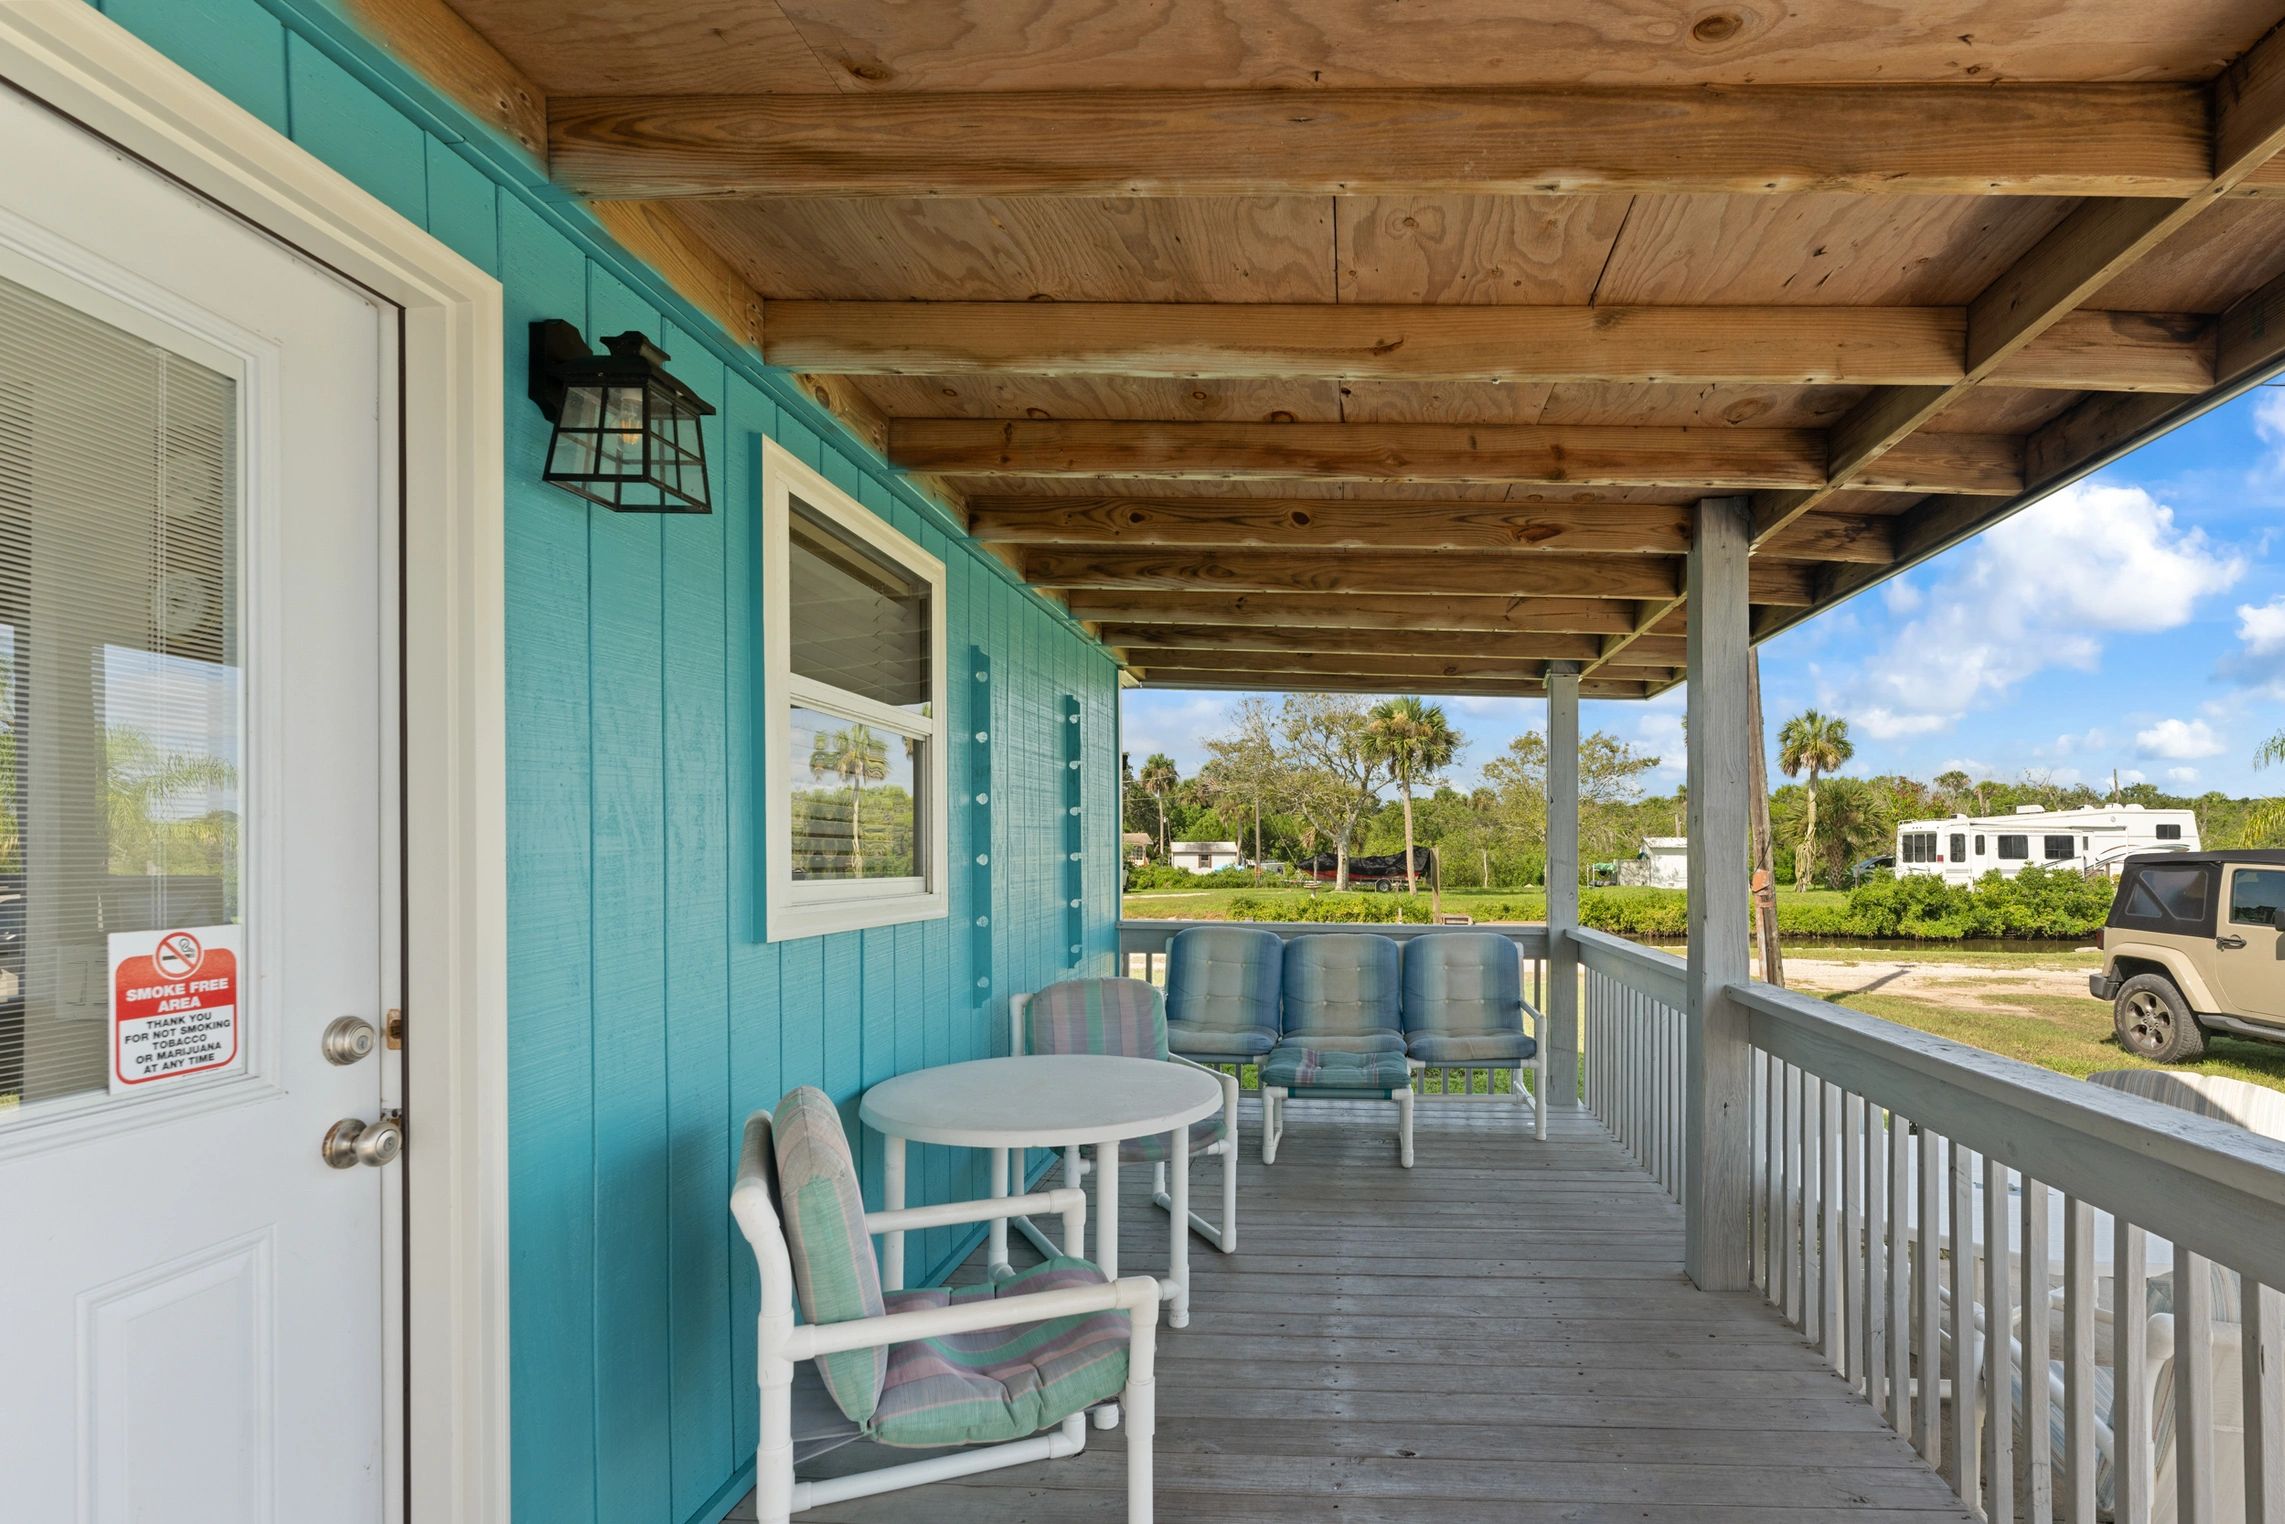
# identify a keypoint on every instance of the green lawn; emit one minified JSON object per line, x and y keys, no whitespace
{"x":2069,"y":1034}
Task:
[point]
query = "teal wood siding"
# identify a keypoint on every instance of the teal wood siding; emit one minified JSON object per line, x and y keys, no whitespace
{"x":647,"y":1015}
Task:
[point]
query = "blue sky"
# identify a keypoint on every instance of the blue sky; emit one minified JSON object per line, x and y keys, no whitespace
{"x":2134,"y":621}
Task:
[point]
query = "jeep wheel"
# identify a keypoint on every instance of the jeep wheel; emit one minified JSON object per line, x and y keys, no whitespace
{"x":2154,"y":1021}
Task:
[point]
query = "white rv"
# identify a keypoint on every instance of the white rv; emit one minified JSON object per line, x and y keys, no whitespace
{"x":1964,"y":848}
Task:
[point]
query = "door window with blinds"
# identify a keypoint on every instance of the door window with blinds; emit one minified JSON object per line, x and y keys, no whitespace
{"x":121,"y":694}
{"x":854,"y":744}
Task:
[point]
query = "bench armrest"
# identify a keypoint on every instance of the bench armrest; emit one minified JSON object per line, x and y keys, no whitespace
{"x":953,"y":1214}
{"x":1135,"y":1294}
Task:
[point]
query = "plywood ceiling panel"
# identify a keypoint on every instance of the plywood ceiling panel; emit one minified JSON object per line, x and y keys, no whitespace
{"x":1028,"y":396}
{"x":2208,"y":265}
{"x":1543,"y":250}
{"x":1253,"y":249}
{"x":1763,"y":407}
{"x":1441,"y":402}
{"x":2001,"y":410}
{"x":1820,"y":250}
{"x":1306,"y":44}
{"x":677,"y":48}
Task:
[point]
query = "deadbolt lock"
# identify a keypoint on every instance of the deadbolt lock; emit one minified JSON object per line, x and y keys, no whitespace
{"x":348,"y":1039}
{"x":351,"y":1142}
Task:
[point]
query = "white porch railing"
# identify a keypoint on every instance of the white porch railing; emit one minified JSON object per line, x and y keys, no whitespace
{"x":1912,"y":1197}
{"x":1631,"y":1006}
{"x":1142,"y":955}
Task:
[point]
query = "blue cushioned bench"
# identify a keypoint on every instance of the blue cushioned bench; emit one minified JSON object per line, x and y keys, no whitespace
{"x":1343,"y":1036}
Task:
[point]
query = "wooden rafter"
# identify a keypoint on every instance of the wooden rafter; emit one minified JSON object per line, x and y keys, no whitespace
{"x":1349,"y":524}
{"x":1794,"y":346}
{"x":1519,"y":574}
{"x":1633,"y":686}
{"x":1696,"y":458}
{"x":2003,"y":139}
{"x":1462,"y":613}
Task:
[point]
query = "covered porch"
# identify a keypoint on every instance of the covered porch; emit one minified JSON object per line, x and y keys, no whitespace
{"x":1554,"y":352}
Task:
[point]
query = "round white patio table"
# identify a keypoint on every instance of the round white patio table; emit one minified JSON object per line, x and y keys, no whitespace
{"x":1049,"y":1100}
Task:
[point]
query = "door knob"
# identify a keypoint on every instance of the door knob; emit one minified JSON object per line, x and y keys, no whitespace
{"x":351,"y":1142}
{"x":2229,"y":944}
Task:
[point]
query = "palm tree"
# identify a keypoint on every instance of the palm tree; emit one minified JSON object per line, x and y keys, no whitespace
{"x":1158,"y":779}
{"x":1416,"y":741}
{"x":857,"y":757}
{"x":1955,"y":785}
{"x":1858,"y":818}
{"x":1812,"y":743}
{"x":2267,"y":821}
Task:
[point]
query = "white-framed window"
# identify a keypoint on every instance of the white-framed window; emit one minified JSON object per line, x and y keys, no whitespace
{"x":853,"y":729}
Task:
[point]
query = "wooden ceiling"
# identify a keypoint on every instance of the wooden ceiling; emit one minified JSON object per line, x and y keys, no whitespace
{"x":1343,"y":344}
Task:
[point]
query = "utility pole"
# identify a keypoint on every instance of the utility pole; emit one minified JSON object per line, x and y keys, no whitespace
{"x":1764,"y":851}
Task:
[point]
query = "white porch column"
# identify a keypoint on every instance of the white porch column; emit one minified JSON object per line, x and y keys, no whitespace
{"x":1562,"y":1036}
{"x":1717,"y":1157}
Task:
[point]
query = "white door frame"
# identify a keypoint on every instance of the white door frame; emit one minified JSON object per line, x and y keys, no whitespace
{"x":63,"y":53}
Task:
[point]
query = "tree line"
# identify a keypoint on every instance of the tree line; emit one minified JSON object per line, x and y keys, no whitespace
{"x":1327,"y":773}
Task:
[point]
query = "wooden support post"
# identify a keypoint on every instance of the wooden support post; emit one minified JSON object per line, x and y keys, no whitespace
{"x":1562,"y":881}
{"x":1717,"y":1151}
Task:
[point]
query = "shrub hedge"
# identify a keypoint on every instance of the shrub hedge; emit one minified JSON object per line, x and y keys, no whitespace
{"x":2036,"y":903}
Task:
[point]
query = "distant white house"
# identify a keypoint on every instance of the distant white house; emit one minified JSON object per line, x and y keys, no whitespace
{"x":1205,"y":856}
{"x":1662,"y":863}
{"x":1963,"y":848}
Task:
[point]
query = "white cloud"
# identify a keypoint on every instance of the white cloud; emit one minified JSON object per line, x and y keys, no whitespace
{"x":2180,"y":775}
{"x":2137,"y":775}
{"x":2269,"y":416}
{"x":1884,"y":724}
{"x":1903,"y":597}
{"x":2036,"y":592}
{"x":2179,"y":740}
{"x":2262,"y":627}
{"x":1970,"y":766}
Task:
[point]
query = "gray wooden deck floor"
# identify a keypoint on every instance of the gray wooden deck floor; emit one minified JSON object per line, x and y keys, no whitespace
{"x":1501,"y":1333}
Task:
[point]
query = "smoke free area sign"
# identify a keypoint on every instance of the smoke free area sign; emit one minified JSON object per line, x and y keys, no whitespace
{"x":174,"y":1006}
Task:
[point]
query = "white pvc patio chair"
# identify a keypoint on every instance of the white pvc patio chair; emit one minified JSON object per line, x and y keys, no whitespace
{"x":1009,"y":1368}
{"x":1127,"y":1017}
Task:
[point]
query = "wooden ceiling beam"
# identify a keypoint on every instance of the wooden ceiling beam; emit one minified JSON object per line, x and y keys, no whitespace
{"x":1329,"y":524}
{"x":1781,"y":346}
{"x":1404,"y":574}
{"x":1635,"y":686}
{"x":1427,"y":452}
{"x":1405,"y":616}
{"x":1581,"y":456}
{"x":1152,"y":639}
{"x":2146,"y":140}
{"x":1529,"y":574}
{"x":1400,"y":667}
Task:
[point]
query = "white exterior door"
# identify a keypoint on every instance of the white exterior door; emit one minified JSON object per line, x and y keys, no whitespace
{"x":198,"y":717}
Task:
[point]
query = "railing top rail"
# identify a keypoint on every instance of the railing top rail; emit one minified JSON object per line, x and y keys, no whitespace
{"x":1532,"y":937}
{"x":2199,"y":1181}
{"x":1660,"y":975}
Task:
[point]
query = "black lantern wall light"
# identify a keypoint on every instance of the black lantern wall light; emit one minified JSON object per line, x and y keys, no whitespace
{"x":626,"y":433}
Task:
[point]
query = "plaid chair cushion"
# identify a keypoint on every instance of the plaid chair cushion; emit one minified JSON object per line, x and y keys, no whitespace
{"x":1220,"y":1044}
{"x":1155,"y":1147}
{"x":1470,"y":1047}
{"x":1223,"y":986}
{"x":1001,"y":1383}
{"x":1344,"y":993}
{"x":1123,"y":1017}
{"x":1297,"y":1067}
{"x":834,"y":1273}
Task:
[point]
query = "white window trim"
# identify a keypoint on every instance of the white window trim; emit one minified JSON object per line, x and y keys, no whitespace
{"x":454,"y":1227}
{"x":793,"y":910}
